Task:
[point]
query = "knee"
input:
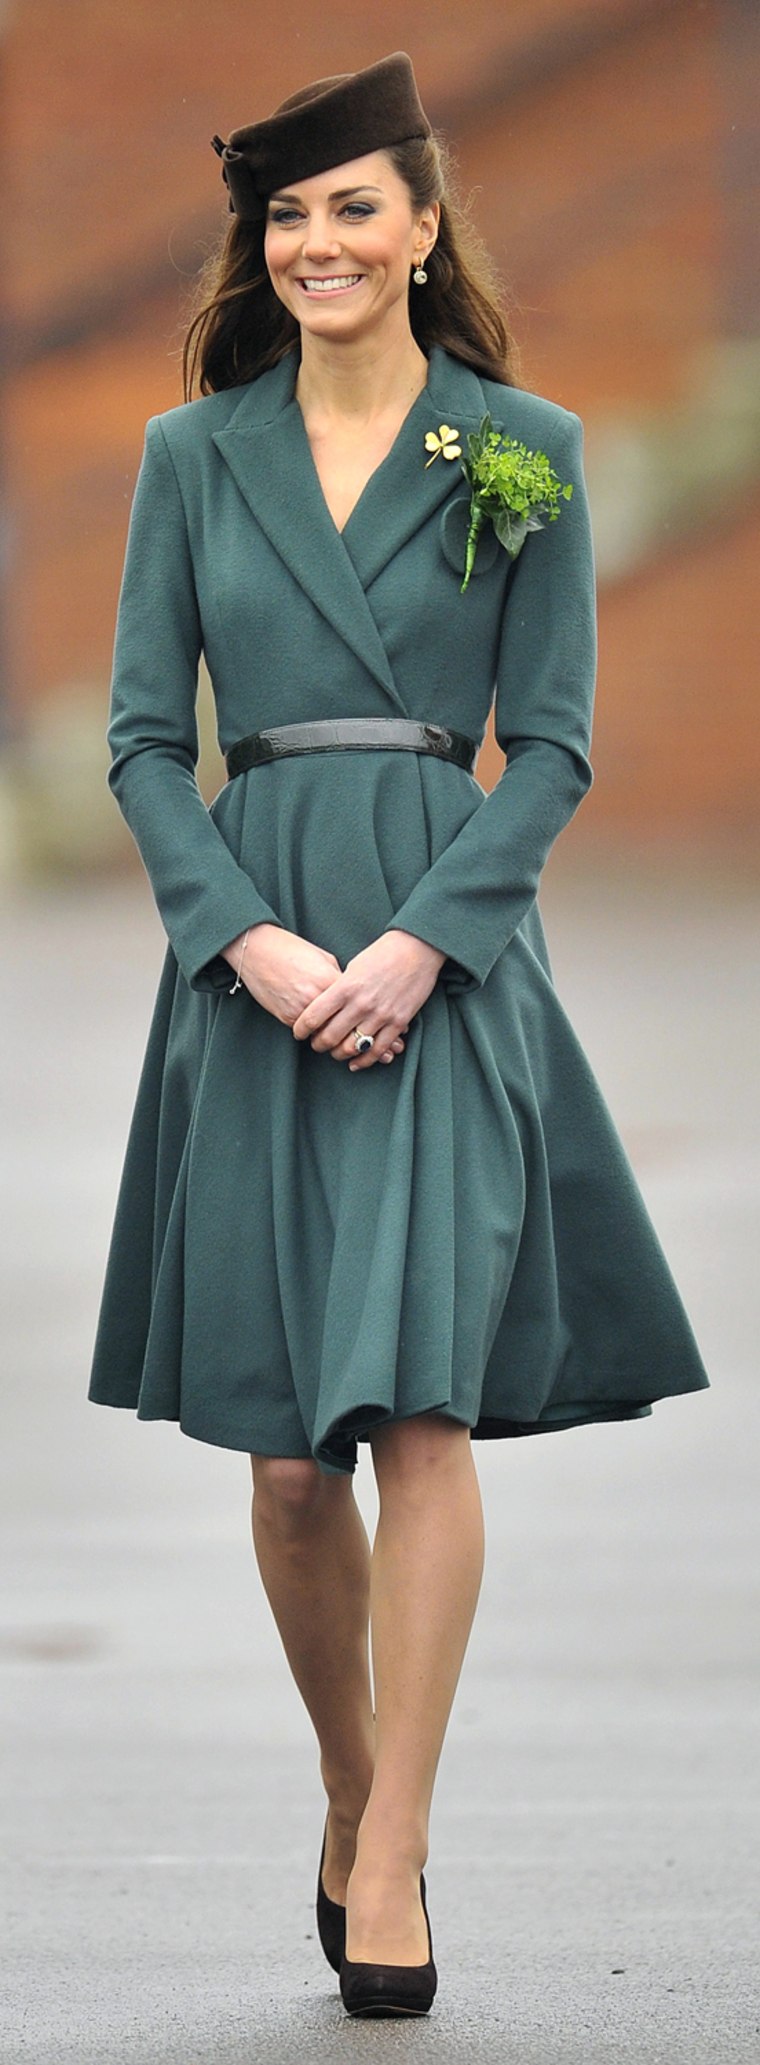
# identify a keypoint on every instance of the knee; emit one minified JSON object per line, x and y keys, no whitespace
{"x":288,"y":1492}
{"x":406,"y":1452}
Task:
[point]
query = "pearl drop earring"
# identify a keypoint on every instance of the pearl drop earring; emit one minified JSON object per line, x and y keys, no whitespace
{"x":419,"y":275}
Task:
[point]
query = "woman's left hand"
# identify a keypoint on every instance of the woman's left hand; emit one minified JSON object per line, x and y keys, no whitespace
{"x":379,"y":990}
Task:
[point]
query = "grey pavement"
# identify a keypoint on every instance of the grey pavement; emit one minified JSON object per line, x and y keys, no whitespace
{"x":593,"y":1877}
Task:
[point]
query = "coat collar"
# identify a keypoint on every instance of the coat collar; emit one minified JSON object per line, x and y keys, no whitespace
{"x":267,"y":450}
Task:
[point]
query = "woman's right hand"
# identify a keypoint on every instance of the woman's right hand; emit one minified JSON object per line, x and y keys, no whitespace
{"x":285,"y":972}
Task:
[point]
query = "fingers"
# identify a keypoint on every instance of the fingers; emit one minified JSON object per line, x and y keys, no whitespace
{"x":388,"y":1039}
{"x":311,"y":1022}
{"x":388,"y":1043}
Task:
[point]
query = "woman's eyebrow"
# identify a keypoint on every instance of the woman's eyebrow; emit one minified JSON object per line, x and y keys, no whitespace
{"x":341,"y":193}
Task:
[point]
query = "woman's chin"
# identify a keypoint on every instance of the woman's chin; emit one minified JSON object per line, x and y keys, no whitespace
{"x":333,"y":323}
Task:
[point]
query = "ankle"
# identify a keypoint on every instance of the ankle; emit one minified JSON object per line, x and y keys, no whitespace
{"x":390,"y":1850}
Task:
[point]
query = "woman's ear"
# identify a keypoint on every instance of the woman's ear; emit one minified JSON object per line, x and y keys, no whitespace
{"x":431,"y":219}
{"x":428,"y":223}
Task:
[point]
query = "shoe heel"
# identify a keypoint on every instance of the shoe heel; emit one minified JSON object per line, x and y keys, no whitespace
{"x":331,"y":1917}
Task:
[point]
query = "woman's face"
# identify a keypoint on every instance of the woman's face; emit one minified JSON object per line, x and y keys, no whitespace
{"x":340,"y":246}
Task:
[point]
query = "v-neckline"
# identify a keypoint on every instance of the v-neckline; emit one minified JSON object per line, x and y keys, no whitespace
{"x":340,"y":532}
{"x":265,"y":446}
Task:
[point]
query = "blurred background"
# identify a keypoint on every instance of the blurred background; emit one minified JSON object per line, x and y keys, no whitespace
{"x":162,"y":1806}
{"x":610,"y":148}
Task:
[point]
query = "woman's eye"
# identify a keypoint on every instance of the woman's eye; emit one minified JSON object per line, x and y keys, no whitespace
{"x":359,"y":208}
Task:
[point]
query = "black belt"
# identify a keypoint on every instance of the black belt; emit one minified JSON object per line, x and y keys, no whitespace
{"x":341,"y":734}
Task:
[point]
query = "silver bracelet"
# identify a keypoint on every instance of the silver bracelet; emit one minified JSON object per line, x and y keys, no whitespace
{"x":237,"y":984}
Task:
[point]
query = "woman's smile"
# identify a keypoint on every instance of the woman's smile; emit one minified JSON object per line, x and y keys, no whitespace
{"x":333,"y":283}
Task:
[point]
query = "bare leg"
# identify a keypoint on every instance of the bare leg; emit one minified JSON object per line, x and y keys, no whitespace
{"x":426,"y":1572}
{"x":314,"y":1557}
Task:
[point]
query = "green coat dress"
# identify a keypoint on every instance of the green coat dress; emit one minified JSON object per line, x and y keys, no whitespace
{"x":299,"y":1253}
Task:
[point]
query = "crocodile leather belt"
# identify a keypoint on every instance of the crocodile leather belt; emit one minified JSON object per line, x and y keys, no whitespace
{"x":344,"y":734}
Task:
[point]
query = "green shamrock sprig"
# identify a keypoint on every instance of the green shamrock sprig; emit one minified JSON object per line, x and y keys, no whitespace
{"x":510,"y":485}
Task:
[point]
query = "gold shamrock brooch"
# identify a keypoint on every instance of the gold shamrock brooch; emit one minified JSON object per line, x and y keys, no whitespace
{"x":444,"y":441}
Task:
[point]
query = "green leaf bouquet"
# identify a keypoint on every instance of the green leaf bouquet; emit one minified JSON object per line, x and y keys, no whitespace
{"x":510,"y":485}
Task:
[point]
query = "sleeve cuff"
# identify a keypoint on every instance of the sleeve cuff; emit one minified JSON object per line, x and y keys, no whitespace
{"x":463,"y":970}
{"x":205,"y":968}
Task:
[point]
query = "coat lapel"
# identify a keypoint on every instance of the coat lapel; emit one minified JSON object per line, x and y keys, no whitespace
{"x":268,"y":452}
{"x":404,"y":492}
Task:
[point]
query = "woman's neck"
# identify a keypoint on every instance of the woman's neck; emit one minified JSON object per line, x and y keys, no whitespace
{"x":360,"y":381}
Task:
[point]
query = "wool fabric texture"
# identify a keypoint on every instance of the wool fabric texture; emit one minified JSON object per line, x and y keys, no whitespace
{"x":300,"y":1253}
{"x":323,"y":124}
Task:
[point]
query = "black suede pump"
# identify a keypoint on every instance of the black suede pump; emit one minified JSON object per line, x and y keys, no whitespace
{"x":368,"y":1989}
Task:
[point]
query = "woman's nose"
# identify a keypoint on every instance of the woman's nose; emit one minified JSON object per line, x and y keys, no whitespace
{"x":320,"y":240}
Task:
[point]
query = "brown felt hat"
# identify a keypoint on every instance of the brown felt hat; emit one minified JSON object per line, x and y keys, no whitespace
{"x":324,"y":124}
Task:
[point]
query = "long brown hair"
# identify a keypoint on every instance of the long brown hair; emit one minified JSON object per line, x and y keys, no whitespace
{"x":238,"y":328}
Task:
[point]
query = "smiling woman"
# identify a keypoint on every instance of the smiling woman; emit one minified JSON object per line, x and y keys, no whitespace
{"x":324,"y":246}
{"x":372,"y":1191}
{"x":239,"y":322}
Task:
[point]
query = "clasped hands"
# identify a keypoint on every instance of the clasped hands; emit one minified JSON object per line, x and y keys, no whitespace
{"x":380,"y":989}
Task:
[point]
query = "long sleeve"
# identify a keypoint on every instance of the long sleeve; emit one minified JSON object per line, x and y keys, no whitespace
{"x":203,"y":897}
{"x":471,"y":900}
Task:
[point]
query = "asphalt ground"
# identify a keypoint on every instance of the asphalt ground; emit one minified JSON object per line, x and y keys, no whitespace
{"x":593,"y":1870}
